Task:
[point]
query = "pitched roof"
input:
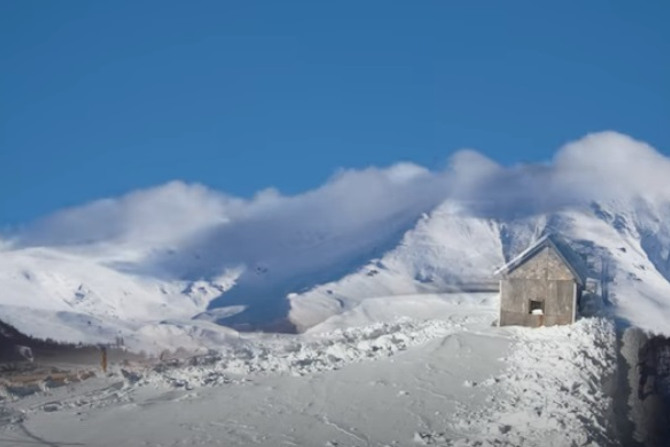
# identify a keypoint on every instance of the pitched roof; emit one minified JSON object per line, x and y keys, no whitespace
{"x":571,"y":259}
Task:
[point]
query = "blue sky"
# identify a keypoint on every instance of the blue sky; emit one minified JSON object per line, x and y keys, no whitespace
{"x":100,"y":98}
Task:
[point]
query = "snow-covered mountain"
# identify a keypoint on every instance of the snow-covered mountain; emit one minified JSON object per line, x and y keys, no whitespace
{"x":163,"y":266}
{"x":626,"y":247}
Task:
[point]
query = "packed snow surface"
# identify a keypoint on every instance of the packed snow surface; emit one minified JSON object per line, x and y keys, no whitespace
{"x":407,"y":382}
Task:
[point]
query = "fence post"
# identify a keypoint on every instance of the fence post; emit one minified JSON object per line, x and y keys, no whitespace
{"x":104,"y":359}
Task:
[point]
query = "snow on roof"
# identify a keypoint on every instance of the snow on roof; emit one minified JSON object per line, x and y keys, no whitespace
{"x":571,"y":259}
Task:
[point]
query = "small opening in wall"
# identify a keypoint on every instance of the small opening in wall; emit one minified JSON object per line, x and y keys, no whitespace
{"x":536,"y":307}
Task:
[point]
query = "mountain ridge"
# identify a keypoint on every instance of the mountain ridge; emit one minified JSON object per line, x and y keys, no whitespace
{"x":165,"y":258}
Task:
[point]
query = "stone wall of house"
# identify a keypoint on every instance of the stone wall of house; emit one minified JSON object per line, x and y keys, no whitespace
{"x":545,"y":278}
{"x":546,"y":264}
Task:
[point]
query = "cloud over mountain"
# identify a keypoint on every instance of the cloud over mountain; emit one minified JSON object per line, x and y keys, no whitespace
{"x":600,"y":166}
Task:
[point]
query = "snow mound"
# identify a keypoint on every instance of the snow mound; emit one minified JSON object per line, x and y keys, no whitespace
{"x":557,"y":390}
{"x":299,"y":356}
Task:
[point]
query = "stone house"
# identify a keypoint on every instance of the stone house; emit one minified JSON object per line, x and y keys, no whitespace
{"x":542,"y":285}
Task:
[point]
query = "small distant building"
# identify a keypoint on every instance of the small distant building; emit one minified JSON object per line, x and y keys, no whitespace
{"x":542,"y":285}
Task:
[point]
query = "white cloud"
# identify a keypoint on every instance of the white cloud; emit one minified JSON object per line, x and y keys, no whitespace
{"x":609,"y":165}
{"x":599,"y":167}
{"x":356,"y":204}
{"x":153,"y":215}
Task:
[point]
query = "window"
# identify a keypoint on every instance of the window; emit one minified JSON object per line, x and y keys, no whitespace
{"x":536,"y":307}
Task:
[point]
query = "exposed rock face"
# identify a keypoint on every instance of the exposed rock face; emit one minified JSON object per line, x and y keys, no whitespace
{"x":647,"y":362}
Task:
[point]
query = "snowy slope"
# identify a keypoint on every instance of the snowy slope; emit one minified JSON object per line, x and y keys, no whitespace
{"x":626,"y":247}
{"x":161,"y":264}
{"x":434,"y":383}
{"x":56,"y":294}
